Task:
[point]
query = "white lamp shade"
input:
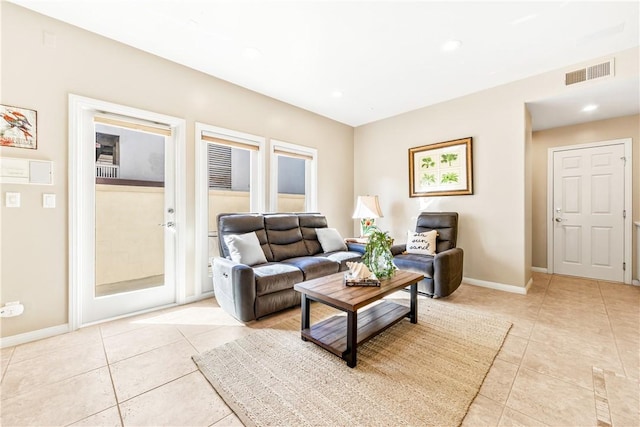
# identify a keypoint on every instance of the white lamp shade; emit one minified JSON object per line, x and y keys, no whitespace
{"x":367,"y":207}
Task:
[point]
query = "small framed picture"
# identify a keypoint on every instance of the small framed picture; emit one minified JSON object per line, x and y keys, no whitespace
{"x":18,"y":127}
{"x":442,"y":169}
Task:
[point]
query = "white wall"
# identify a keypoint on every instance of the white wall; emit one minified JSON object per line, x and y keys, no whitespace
{"x":495,"y":222}
{"x":34,"y":241}
{"x":491,"y":229}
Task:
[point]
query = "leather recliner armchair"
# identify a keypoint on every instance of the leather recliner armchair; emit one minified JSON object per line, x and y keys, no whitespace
{"x":442,"y":271}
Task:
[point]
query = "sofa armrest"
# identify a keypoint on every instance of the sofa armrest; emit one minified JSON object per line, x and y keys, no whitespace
{"x":234,"y":288}
{"x":398,"y":249}
{"x":356,"y":247}
{"x":359,"y":247}
{"x":447,"y":271}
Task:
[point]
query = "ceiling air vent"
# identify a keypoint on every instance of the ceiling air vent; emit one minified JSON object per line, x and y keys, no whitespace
{"x":597,"y":71}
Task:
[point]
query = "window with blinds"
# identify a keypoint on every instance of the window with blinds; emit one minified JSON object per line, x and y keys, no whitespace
{"x":219,"y":166}
{"x":293,"y":177}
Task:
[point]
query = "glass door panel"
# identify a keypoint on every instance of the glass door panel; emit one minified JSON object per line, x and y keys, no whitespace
{"x":130,"y":210}
{"x":291,"y":184}
{"x":229,"y":186}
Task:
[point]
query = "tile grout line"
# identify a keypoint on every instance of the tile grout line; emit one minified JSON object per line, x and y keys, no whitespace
{"x":190,"y":343}
{"x":155,"y":388}
{"x":55,"y":382}
{"x":4,"y":371}
{"x":613,"y":333}
{"x":113,"y":385}
{"x":524,"y":352}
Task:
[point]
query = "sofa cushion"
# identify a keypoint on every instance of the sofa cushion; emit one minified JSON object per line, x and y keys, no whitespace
{"x":313,"y":267}
{"x":245,"y":248}
{"x":413,"y":262}
{"x":330,"y":240}
{"x":309,"y":223}
{"x":422,"y":243}
{"x":274,"y":277}
{"x":241,"y":224}
{"x":285,"y":237}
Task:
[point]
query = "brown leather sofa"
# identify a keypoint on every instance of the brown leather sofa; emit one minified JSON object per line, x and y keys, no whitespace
{"x":293,"y":254}
{"x":443,"y":271}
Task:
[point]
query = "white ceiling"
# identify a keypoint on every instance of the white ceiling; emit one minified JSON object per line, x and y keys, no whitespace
{"x":384,"y":57}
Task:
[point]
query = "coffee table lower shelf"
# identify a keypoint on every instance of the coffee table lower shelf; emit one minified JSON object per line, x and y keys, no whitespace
{"x":331,"y":333}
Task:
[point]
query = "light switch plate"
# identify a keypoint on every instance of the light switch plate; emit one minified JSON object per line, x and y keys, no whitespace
{"x":48,"y":200}
{"x":12,"y":200}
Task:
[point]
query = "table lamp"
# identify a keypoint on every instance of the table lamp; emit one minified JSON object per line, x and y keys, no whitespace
{"x":367,"y":210}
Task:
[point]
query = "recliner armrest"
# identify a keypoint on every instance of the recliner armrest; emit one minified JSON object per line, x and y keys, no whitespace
{"x":234,"y":288}
{"x":398,"y":249}
{"x":447,"y":271}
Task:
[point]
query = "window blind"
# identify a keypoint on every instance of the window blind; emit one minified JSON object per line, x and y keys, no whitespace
{"x":229,"y":143}
{"x":155,"y":128}
{"x":281,"y":152}
{"x":219,"y":166}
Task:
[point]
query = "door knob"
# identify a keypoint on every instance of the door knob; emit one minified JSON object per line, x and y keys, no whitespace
{"x":559,"y":220}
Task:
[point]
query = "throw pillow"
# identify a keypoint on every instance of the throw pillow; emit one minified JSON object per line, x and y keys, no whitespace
{"x":422,"y":243}
{"x":330,"y":240}
{"x":245,"y":248}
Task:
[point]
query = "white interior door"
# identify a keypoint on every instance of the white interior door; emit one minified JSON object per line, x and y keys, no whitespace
{"x":588,"y":212}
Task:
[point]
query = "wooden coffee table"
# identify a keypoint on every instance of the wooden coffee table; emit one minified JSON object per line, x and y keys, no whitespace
{"x":343,"y":339}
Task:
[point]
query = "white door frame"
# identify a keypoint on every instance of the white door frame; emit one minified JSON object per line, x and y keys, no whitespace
{"x":202,"y":194}
{"x":82,"y":109}
{"x":627,"y":227}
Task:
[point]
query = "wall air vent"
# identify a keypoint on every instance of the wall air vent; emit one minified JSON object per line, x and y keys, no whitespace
{"x":596,"y":71}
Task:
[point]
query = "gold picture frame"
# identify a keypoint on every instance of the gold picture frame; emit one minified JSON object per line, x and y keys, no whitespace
{"x":441,"y":169}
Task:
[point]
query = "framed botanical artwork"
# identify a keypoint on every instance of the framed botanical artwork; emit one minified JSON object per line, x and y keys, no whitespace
{"x":442,"y":169}
{"x":18,"y":127}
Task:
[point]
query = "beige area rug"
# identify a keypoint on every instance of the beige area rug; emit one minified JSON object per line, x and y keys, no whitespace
{"x":422,"y":374}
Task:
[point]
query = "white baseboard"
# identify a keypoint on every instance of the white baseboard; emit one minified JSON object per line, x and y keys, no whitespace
{"x":62,"y":329}
{"x":34,"y":335}
{"x":204,"y":295}
{"x":539,"y":269}
{"x":498,"y":286}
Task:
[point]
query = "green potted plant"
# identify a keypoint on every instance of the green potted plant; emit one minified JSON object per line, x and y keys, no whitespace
{"x":377,"y":254}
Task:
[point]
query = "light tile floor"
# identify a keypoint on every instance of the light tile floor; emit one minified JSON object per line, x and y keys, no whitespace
{"x":570,"y":359}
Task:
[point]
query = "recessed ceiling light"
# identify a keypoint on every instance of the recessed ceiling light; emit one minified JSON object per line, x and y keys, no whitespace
{"x":590,"y":107}
{"x":251,"y":53}
{"x":451,"y":45}
{"x":336,"y":94}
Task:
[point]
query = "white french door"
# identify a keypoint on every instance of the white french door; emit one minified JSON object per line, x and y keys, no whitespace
{"x":588,"y":220}
{"x":126,"y":242}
